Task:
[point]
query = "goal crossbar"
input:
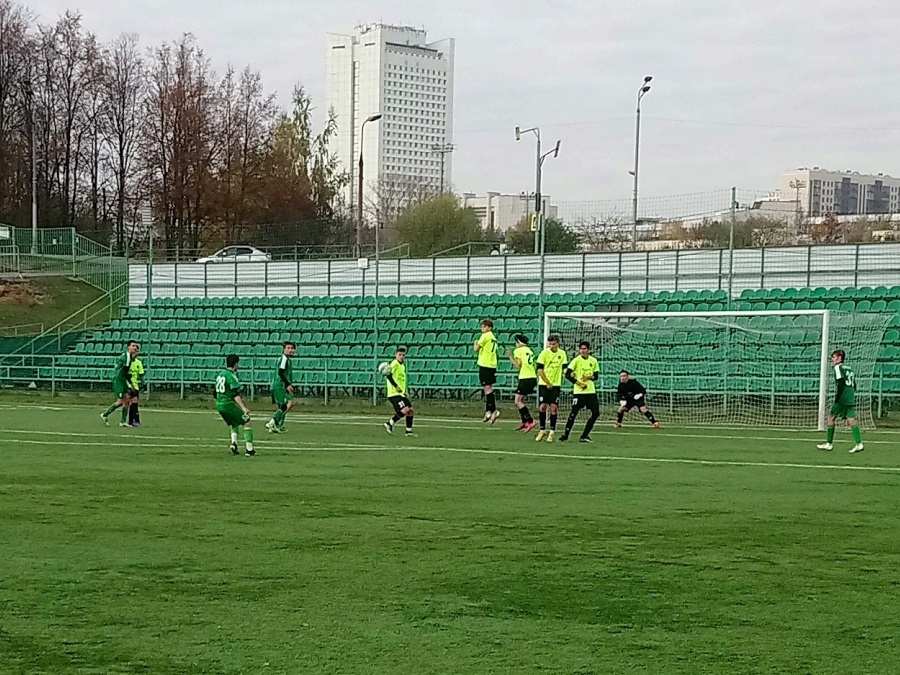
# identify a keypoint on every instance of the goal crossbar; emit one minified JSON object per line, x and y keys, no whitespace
{"x":824,"y":327}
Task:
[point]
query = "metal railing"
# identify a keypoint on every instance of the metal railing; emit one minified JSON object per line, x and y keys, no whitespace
{"x":104,"y":308}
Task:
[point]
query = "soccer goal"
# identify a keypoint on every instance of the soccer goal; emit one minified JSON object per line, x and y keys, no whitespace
{"x":732,"y":368}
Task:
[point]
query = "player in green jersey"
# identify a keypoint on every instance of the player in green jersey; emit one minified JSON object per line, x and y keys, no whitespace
{"x":522,"y":359}
{"x":231,"y":406}
{"x":583,"y":372}
{"x":550,"y":366}
{"x":844,"y":402}
{"x":486,"y":348}
{"x":121,"y":376}
{"x":282,"y":388}
{"x":398,"y":394}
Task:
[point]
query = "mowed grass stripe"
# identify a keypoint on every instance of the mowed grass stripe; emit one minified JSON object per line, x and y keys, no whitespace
{"x":478,"y":451}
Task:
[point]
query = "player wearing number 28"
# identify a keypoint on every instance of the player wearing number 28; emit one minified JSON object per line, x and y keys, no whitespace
{"x":231,"y":406}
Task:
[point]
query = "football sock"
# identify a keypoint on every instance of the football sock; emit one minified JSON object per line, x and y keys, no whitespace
{"x":526,"y":415}
{"x":830,"y":434}
{"x":111,"y":409}
{"x":543,"y":417}
{"x":857,"y":435}
{"x":589,"y":427}
{"x":490,"y":402}
{"x":396,"y":418}
{"x":409,"y":422}
{"x":278,"y":417}
{"x":248,"y":439}
{"x":553,"y":418}
{"x":570,"y":422}
{"x":234,"y":434}
{"x":522,"y":412}
{"x":124,"y":415}
{"x":619,"y":417}
{"x":134,"y":413}
{"x":650,"y":417}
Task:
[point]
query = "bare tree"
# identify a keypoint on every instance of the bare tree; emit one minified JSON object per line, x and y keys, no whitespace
{"x":597,"y":235}
{"x":392,"y":194}
{"x":124,"y":91}
{"x":14,"y":22}
{"x":67,"y":79}
{"x":181,"y":141}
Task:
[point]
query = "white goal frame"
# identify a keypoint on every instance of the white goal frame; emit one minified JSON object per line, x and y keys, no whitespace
{"x":825,"y":355}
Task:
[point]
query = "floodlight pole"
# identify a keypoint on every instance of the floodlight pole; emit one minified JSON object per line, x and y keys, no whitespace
{"x":645,"y":87}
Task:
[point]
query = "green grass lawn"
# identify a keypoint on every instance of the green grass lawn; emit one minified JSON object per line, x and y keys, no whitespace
{"x":62,"y":297}
{"x":341,"y":549}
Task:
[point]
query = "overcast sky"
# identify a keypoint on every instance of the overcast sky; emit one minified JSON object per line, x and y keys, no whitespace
{"x":742,"y":90}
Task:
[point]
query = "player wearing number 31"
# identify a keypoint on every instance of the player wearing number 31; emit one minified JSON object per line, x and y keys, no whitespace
{"x":583,"y":372}
{"x":844,"y":402}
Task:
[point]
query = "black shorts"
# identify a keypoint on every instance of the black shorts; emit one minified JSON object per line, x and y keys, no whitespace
{"x":487,"y":376}
{"x":548,"y":396}
{"x":582,"y":401}
{"x":635,"y":403}
{"x":527,"y":386}
{"x":134,"y":393}
{"x":399,"y":403}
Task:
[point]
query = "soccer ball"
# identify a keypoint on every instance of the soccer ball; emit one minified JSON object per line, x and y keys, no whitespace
{"x":384,"y":368}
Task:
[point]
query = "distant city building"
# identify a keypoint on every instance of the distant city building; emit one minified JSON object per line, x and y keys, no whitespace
{"x":395,"y":71}
{"x":503,"y":212}
{"x":818,"y":192}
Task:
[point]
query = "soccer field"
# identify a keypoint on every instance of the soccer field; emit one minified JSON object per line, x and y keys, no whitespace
{"x":465,"y":549}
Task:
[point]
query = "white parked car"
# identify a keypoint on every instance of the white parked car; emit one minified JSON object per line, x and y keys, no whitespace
{"x":232,"y":254}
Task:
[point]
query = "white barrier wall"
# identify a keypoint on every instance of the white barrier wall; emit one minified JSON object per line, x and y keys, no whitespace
{"x":851,"y":265}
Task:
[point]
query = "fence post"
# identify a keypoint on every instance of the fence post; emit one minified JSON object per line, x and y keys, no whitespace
{"x":74,"y":253}
{"x":619,"y":275}
{"x":182,"y":377}
{"x":53,"y":375}
{"x":583,"y":273}
{"x":809,"y":266}
{"x":856,"y":267}
{"x":327,"y":378}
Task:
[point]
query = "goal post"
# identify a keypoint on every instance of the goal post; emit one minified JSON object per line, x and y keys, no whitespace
{"x":760,"y":368}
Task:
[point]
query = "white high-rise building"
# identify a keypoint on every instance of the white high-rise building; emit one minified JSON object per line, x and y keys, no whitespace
{"x":395,"y":71}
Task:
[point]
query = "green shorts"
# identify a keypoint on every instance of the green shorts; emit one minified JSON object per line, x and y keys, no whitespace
{"x":280,"y":395}
{"x":844,"y":411}
{"x":120,"y":387}
{"x":233,"y":415}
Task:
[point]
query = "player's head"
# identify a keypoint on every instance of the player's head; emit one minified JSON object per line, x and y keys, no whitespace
{"x":289,"y":348}
{"x":521,"y":340}
{"x":401,"y":354}
{"x":486,"y":325}
{"x":584,"y":348}
{"x":623,"y":376}
{"x":133,"y":347}
{"x":231,"y":361}
{"x":838,"y":356}
{"x":553,"y":342}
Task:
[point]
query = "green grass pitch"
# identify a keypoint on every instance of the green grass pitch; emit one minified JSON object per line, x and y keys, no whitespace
{"x":341,"y":549}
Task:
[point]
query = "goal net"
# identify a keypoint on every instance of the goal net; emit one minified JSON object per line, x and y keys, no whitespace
{"x":733,"y":368}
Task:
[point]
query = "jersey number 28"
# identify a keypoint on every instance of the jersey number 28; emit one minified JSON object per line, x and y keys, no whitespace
{"x":220,"y":385}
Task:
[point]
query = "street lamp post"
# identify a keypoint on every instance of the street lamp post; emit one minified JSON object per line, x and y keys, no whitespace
{"x":538,"y":199}
{"x":359,"y":223}
{"x":29,"y":99}
{"x":645,"y":87}
{"x":540,"y":233}
{"x":359,"y":206}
